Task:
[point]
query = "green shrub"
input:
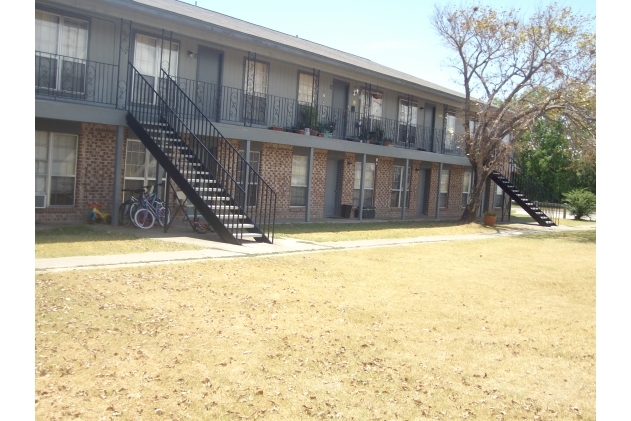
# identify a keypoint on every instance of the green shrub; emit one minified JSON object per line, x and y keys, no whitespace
{"x":580,"y":202}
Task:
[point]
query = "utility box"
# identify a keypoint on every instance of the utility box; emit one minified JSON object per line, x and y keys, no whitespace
{"x":368,"y":212}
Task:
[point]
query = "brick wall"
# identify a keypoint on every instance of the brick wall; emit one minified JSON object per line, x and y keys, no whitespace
{"x":276,"y":171}
{"x":348,"y":179}
{"x":94,"y":175}
{"x":318,"y":185}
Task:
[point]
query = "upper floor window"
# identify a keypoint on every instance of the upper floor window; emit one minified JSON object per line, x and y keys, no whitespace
{"x":306,"y":87}
{"x":450,"y":132}
{"x":152,"y":54}
{"x":256,"y":77}
{"x":61,"y":51}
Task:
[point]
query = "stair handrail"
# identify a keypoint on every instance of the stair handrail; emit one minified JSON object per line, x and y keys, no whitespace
{"x":247,"y":167}
{"x":204,"y":148}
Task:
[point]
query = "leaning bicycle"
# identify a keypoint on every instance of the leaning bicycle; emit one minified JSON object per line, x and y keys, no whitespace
{"x":149,"y":209}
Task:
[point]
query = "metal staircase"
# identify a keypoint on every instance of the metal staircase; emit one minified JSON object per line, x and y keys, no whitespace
{"x":538,"y":202}
{"x":224,"y":188}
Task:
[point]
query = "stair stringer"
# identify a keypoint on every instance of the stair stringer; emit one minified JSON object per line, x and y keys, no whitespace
{"x":537,"y":214}
{"x":177,"y":177}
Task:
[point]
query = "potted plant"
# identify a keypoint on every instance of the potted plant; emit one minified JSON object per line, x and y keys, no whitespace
{"x":309,"y":117}
{"x":489,"y":218}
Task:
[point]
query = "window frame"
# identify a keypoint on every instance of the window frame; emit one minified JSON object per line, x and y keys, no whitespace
{"x":443,"y":196}
{"x":299,"y":162}
{"x":499,"y":193}
{"x":78,"y":61}
{"x":399,"y":189}
{"x":370,"y":169}
{"x":466,"y":192}
{"x":311,"y":90}
{"x":48,"y":174}
{"x":255,"y":162}
{"x":146,"y":180}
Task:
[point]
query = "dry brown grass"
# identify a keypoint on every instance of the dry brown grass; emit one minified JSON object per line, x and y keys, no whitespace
{"x":490,"y":329}
{"x":83,"y":240}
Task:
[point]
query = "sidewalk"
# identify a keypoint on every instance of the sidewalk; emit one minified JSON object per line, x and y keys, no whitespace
{"x":215,"y":249}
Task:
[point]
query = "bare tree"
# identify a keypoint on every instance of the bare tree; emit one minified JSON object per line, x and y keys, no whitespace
{"x":515,"y":71}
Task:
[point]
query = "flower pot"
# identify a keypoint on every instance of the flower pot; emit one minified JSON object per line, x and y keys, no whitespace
{"x":301,"y":132}
{"x":489,"y":220}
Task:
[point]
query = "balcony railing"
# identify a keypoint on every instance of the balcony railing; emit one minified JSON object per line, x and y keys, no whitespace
{"x":86,"y":80}
{"x":75,"y":79}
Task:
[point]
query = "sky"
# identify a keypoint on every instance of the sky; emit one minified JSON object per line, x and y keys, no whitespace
{"x":395,"y":33}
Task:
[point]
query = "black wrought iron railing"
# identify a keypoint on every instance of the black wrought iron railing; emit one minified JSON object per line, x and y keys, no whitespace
{"x":542,"y":198}
{"x":75,"y":79}
{"x":238,"y":196}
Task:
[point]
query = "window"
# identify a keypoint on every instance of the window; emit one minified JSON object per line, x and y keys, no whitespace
{"x":397,"y":187}
{"x":299,"y":181}
{"x":444,"y":189}
{"x":55,"y":168}
{"x":369,"y":183}
{"x":466,"y":188}
{"x":407,"y":113}
{"x":450,"y":132}
{"x":497,"y":198}
{"x":255,"y":88}
{"x":255,"y":159}
{"x":306,"y":88}
{"x":140,"y":167}
{"x":152,"y":54}
{"x":61,"y":51}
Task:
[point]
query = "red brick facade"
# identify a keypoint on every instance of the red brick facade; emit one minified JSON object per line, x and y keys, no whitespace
{"x":95,"y":181}
{"x":94,"y":175}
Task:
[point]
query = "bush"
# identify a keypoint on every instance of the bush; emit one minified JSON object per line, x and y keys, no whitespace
{"x":580,"y":202}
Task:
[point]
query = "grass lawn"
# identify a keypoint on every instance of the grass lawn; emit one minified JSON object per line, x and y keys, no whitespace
{"x":326,"y":231}
{"x":82,"y":240}
{"x":498,"y":329}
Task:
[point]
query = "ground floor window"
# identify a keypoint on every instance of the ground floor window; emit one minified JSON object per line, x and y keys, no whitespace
{"x":466,"y":188}
{"x":369,"y":184}
{"x":299,"y":181}
{"x":140,"y":168}
{"x":396,"y":195}
{"x":443,"y":193}
{"x":55,"y":168}
{"x":497,"y":198}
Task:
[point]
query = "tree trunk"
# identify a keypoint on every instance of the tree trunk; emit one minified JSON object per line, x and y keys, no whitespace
{"x":471,"y":211}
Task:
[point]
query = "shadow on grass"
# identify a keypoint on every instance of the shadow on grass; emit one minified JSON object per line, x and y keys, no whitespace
{"x":572,"y":236}
{"x":327,"y":227}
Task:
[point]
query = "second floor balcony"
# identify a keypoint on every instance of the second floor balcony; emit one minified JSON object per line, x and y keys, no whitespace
{"x":64,"y":78}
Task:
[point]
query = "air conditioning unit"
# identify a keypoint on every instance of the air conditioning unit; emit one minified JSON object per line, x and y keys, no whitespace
{"x":40,"y":201}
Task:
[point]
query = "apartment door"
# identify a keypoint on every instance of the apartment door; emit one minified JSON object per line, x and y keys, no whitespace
{"x":339,"y":103}
{"x":424,"y":191}
{"x":428,"y":123}
{"x":332,"y":187}
{"x":208,"y":93}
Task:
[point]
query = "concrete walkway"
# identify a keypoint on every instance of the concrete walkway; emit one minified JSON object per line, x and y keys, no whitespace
{"x":212,"y":248}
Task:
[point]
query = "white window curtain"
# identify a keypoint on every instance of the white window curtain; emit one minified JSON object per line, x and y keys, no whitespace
{"x":298,"y":196}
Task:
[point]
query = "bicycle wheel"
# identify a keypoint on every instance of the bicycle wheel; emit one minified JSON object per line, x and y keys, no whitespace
{"x":163,"y":213}
{"x":124,"y":217}
{"x":144,"y":219}
{"x":133,"y":208}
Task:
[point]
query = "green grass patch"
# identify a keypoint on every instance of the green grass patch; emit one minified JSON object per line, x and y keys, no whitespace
{"x":331,"y":231}
{"x":83,"y":240}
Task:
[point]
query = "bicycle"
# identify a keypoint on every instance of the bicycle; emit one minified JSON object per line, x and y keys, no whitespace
{"x":124,"y":210}
{"x":149,"y":209}
{"x":97,"y":215}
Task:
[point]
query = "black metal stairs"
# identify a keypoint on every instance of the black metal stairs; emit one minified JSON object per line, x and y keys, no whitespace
{"x":232,"y":197}
{"x":529,"y":194}
{"x":521,"y":199}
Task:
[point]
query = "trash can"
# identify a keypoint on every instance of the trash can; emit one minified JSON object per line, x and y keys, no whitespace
{"x":346,"y":211}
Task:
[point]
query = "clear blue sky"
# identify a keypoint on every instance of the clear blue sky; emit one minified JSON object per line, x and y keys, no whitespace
{"x":395,"y":33}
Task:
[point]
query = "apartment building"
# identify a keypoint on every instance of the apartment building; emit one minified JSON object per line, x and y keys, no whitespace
{"x":252,"y":124}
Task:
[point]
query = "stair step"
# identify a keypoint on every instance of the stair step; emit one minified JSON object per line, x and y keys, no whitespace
{"x":224,"y":207}
{"x":180,"y":155}
{"x":230,"y":216}
{"x":250,"y":235}
{"x":201,"y":180}
{"x":216,"y":198}
{"x":245,"y":226}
